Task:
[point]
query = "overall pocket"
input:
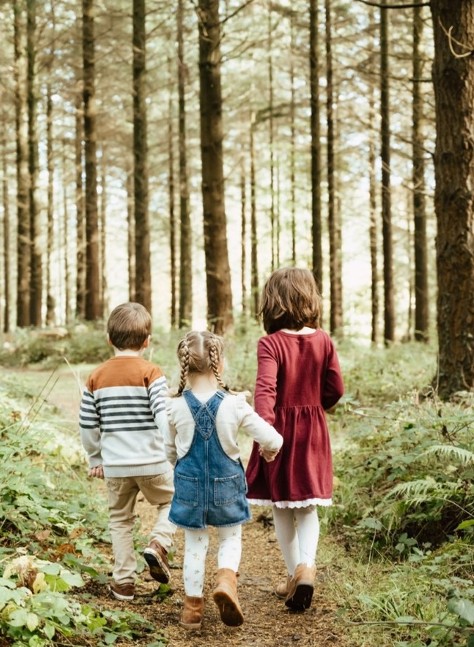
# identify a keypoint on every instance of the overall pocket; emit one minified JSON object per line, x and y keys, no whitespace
{"x":228,"y":489}
{"x":186,"y":490}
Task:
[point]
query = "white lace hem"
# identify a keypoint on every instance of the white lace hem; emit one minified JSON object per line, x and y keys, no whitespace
{"x":291,"y":504}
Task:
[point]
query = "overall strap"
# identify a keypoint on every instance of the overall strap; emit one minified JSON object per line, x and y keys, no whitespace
{"x":204,"y":414}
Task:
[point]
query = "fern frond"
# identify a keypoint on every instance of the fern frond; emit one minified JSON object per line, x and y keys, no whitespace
{"x":460,"y":454}
{"x":421,"y":490}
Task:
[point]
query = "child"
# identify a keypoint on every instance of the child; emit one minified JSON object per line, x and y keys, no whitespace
{"x":122,"y":418}
{"x":209,"y":477}
{"x":298,"y":379}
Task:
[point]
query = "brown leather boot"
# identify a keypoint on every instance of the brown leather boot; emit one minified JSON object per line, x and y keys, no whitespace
{"x":191,"y":616}
{"x":225,"y":596}
{"x":282,"y":589}
{"x":301,"y":588}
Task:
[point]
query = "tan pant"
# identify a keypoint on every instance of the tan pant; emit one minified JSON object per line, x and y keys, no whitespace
{"x":123,"y":491}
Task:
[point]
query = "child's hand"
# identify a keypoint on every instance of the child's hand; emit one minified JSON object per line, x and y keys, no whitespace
{"x":268,"y":455}
{"x":97,"y":472}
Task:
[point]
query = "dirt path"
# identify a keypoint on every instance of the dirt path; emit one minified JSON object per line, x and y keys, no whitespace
{"x":268,"y":623}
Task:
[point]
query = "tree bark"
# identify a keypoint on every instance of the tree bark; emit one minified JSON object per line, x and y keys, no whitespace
{"x":140,"y":150}
{"x":23,"y":210}
{"x":419,"y":209}
{"x":186,"y":259}
{"x":373,"y":226}
{"x":50,"y":300}
{"x":271,"y":144}
{"x":389,"y":305}
{"x":6,"y":239}
{"x":130,"y":236}
{"x":80,"y":214}
{"x":93,"y":306}
{"x":171,"y":205}
{"x":293,"y":139}
{"x":219,"y":292}
{"x":243,"y":237}
{"x":453,"y":79}
{"x":253,"y":228}
{"x":316,"y":226}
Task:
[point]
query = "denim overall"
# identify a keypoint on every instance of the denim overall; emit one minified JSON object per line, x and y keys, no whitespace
{"x":210,"y":487}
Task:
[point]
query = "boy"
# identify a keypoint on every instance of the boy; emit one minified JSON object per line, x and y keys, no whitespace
{"x":121,"y":421}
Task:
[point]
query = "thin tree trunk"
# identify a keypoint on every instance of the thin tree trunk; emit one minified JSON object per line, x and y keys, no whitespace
{"x":419,"y":209}
{"x":271,"y":144}
{"x":293,"y":139}
{"x":219,"y":291}
{"x":23,"y":210}
{"x":453,"y":79}
{"x":93,"y":304}
{"x":140,"y":150}
{"x":389,"y":306}
{"x":130,"y":237}
{"x":67,"y":265}
{"x":253,"y":228}
{"x":103,"y":231}
{"x":80,"y":214}
{"x":186,"y":259}
{"x":316,"y":221}
{"x":6,"y":240}
{"x":171,"y":207}
{"x":335,"y":280}
{"x":36,"y":284}
{"x":50,"y":301}
{"x":243,"y":238}
{"x":373,"y":226}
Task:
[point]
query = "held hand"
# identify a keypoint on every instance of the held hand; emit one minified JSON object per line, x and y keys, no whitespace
{"x":97,"y":472}
{"x":268,"y":455}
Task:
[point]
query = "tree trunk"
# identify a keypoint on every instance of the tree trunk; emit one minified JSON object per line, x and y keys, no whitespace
{"x":316,"y":226}
{"x":50,"y":301}
{"x":130,"y":236}
{"x":186,"y":259}
{"x":335,"y":278}
{"x":103,"y":231}
{"x":93,"y":307}
{"x":171,"y":205}
{"x":453,"y":79}
{"x":243,"y":238}
{"x":293,"y":139}
{"x":419,"y":211}
{"x":6,"y":240}
{"x":23,"y":210}
{"x":140,"y":150}
{"x":389,"y":306}
{"x":36,"y":284}
{"x":373,"y":227}
{"x":65,"y":244}
{"x":219,"y":292}
{"x":80,"y":215}
{"x":253,"y":228}
{"x":271,"y":145}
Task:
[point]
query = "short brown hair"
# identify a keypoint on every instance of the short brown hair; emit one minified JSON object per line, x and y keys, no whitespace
{"x":129,"y":326}
{"x":290,"y":299}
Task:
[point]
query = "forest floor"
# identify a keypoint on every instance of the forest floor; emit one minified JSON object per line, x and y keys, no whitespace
{"x":268,"y":623}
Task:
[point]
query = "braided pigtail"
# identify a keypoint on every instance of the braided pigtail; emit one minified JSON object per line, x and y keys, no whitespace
{"x":183,"y":356}
{"x":214,"y":357}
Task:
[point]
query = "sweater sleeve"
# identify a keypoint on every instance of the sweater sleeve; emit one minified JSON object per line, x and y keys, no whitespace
{"x":266,"y":383}
{"x":256,"y":427}
{"x":170,"y":435}
{"x":89,"y":428}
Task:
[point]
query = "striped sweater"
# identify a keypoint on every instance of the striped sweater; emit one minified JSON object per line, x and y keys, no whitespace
{"x":122,"y":417}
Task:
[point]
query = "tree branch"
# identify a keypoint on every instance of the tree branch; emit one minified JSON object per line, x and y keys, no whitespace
{"x":452,"y":40}
{"x":394,"y":6}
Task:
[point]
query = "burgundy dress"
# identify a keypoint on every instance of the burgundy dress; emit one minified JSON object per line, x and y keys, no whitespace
{"x":298,"y":377}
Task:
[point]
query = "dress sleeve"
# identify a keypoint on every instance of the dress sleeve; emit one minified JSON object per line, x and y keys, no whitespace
{"x":333,"y":386}
{"x":265,"y":386}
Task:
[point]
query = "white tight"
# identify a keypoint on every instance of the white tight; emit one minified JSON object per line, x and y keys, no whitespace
{"x":196,"y":543}
{"x":297,"y":532}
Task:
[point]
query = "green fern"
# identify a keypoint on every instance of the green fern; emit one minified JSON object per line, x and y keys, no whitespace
{"x":460,"y":454}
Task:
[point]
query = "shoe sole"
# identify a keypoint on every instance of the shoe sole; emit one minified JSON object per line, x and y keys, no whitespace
{"x":229,"y":612}
{"x":119,"y":596}
{"x":158,"y":569}
{"x":301,"y":598}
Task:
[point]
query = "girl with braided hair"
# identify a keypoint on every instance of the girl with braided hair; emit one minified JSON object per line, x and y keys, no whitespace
{"x":210,"y":486}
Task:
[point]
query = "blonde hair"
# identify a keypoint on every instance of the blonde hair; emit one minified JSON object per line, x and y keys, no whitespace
{"x":200,"y":352}
{"x":129,"y":326}
{"x":290,"y":299}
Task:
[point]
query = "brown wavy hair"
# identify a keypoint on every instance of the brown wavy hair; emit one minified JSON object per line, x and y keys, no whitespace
{"x":129,"y":326}
{"x":290,"y":299}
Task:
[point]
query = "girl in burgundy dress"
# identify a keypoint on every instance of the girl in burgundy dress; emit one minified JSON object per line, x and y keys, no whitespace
{"x":298,"y":379}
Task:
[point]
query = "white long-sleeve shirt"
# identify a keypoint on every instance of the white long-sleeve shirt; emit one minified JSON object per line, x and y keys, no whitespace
{"x":233,"y":414}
